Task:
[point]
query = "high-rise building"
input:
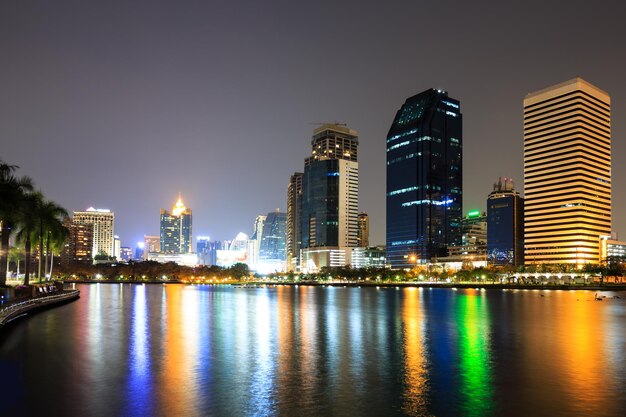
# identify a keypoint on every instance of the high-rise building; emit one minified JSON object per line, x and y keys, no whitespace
{"x":272,"y":247}
{"x":294,"y":214}
{"x":505,"y":225}
{"x":424,"y":179}
{"x":126,"y":253}
{"x":79,"y":243}
{"x":255,"y":240}
{"x":140,"y":253}
{"x":473,"y":247}
{"x":330,"y":198}
{"x":363,"y":235}
{"x":102,"y":221}
{"x":207,"y":250}
{"x":151,"y":244}
{"x":176,"y":229}
{"x":567,"y":173}
{"x":117,"y":247}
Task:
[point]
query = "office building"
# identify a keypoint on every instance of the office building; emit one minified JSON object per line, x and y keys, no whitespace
{"x":126,"y":254}
{"x":140,"y":253}
{"x":102,"y":221}
{"x":363,"y":234}
{"x":176,"y":229}
{"x":254,"y":244}
{"x":78,"y":246}
{"x":370,"y":257}
{"x":117,"y":247}
{"x":330,"y":199}
{"x":272,"y":247}
{"x":424,"y":179}
{"x":294,"y":215}
{"x":505,"y":225}
{"x":151,"y":244}
{"x":612,"y":251}
{"x":567,"y":173}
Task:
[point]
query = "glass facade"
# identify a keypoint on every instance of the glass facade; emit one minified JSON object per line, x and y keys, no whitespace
{"x":175,"y":235}
{"x":320,"y":204}
{"x":505,"y":228}
{"x":273,"y":237}
{"x":424,"y":179}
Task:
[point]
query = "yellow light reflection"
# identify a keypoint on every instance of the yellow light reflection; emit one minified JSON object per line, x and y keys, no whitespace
{"x":415,"y":394}
{"x":180,"y":351}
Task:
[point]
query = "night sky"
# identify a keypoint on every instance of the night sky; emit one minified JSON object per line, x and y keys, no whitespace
{"x":124,"y":104}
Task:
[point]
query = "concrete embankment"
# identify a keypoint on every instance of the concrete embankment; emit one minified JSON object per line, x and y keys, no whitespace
{"x":19,"y":309}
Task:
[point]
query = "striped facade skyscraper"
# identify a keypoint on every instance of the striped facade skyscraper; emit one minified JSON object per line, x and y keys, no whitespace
{"x":567,"y":173}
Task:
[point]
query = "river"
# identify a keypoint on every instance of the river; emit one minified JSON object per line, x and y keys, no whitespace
{"x":176,"y":350}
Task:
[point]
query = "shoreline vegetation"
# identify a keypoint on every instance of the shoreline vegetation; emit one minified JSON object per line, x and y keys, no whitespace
{"x":372,"y":284}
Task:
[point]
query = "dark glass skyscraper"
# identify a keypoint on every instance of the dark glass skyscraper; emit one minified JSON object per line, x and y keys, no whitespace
{"x":505,"y":225}
{"x":424,"y":179}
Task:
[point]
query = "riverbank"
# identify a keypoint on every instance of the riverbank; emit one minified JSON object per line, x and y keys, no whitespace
{"x":19,"y":309}
{"x":480,"y":285}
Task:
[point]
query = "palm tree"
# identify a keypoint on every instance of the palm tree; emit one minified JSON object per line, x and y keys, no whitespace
{"x":12,"y":193}
{"x":50,"y":216}
{"x":15,"y":256}
{"x":28,"y":223}
{"x":56,"y":234}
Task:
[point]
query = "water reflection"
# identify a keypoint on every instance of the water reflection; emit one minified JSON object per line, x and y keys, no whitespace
{"x":416,"y":386}
{"x":204,"y":350}
{"x":178,"y":389}
{"x":474,"y":334}
{"x":139,"y":361}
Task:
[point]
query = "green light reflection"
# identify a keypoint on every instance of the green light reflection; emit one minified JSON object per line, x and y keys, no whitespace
{"x":472,"y":316}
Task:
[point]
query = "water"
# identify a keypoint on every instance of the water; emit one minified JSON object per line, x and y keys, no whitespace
{"x":124,"y":350}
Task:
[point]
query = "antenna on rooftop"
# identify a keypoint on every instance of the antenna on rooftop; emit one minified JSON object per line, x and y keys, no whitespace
{"x":336,"y":123}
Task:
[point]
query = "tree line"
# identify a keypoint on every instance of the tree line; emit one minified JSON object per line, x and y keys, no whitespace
{"x":149,"y":271}
{"x":34,"y":221}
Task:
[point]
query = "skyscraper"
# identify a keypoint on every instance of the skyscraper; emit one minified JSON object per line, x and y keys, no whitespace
{"x":505,"y":225}
{"x":255,"y":240}
{"x":151,"y":244}
{"x":117,"y":247}
{"x":473,"y":247}
{"x":363,"y":235}
{"x":294,"y":214}
{"x":567,"y":173}
{"x":176,"y":229}
{"x":207,"y":250}
{"x":424,"y":179}
{"x":330,"y":197}
{"x":102,"y":221}
{"x":78,"y":246}
{"x":126,"y":253}
{"x":272,"y":247}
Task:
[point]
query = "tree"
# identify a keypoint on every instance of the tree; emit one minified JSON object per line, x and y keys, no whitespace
{"x":239,"y":270}
{"x":28,"y":224}
{"x":15,"y":256}
{"x":51,"y":228}
{"x":12,"y":192}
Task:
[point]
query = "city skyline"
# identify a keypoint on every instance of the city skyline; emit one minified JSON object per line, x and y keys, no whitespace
{"x":135,"y":93}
